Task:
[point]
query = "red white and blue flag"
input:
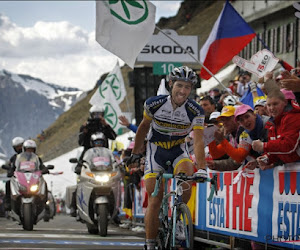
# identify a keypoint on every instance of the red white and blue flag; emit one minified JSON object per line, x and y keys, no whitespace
{"x":228,"y":37}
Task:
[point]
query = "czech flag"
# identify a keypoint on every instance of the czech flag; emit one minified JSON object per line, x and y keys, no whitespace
{"x":228,"y":37}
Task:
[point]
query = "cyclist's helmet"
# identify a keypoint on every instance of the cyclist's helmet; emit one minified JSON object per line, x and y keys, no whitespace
{"x":98,"y":139}
{"x":230,"y":100}
{"x":183,"y":73}
{"x":96,"y":110}
{"x":29,"y":144}
{"x":260,"y":102}
{"x":17,"y":143}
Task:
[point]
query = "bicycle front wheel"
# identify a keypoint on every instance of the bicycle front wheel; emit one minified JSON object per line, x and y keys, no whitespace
{"x":183,"y":230}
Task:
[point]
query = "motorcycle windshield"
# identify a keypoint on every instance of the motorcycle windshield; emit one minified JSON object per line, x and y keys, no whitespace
{"x":99,"y":159}
{"x":27,"y":162}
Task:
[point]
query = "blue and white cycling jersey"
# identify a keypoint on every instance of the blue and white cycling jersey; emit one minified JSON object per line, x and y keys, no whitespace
{"x":169,"y":127}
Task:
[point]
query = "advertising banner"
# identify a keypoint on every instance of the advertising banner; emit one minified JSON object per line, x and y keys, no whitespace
{"x":160,"y":48}
{"x":263,"y":207}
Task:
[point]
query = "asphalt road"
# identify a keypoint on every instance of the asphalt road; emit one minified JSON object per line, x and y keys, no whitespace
{"x":65,"y":232}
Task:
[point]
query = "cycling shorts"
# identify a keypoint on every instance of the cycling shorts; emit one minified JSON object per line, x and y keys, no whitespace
{"x":157,"y":157}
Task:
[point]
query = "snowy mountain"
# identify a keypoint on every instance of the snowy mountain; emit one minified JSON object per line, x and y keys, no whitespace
{"x":29,"y":105}
{"x":58,"y":183}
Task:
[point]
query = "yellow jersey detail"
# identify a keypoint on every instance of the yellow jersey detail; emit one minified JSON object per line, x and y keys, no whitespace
{"x":169,"y":144}
{"x":147,"y":116}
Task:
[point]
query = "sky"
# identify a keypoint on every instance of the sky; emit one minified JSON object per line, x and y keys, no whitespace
{"x":55,"y":40}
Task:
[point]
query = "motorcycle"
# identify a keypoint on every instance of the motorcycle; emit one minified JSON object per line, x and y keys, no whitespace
{"x":28,"y":191}
{"x":94,"y":193}
{"x":50,"y":207}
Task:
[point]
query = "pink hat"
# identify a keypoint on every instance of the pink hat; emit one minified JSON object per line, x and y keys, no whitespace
{"x":240,"y":110}
{"x":131,"y":145}
{"x":288,"y":94}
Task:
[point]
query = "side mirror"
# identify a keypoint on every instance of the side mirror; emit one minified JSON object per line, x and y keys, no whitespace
{"x":50,"y":166}
{"x":73,"y":160}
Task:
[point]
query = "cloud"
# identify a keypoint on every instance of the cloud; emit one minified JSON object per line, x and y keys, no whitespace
{"x":56,"y":52}
{"x":166,"y":8}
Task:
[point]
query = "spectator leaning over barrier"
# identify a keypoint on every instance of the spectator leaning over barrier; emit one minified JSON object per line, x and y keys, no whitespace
{"x":226,"y":142}
{"x":254,"y":126}
{"x":284,"y":133}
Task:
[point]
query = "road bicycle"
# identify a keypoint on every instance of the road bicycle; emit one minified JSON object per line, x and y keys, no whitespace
{"x":177,"y":232}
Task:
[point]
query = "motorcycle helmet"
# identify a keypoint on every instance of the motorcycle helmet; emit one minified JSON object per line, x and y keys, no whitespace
{"x":95,"y":111}
{"x":29,"y":144}
{"x":17,"y":144}
{"x":183,"y":73}
{"x":98,"y":139}
{"x":230,"y":100}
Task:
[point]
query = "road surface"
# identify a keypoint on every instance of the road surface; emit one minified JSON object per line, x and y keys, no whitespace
{"x":65,"y":232}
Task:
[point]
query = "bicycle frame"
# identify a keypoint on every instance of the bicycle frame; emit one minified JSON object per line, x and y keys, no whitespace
{"x":177,"y":193}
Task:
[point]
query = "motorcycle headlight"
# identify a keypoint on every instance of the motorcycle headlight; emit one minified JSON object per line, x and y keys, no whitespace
{"x":102,"y":178}
{"x":34,"y":188}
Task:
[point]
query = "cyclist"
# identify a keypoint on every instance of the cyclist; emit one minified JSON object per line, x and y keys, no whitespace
{"x":167,"y":120}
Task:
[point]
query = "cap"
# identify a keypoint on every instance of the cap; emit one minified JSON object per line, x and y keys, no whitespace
{"x":240,"y":110}
{"x":131,"y":145}
{"x":214,"y":115}
{"x":227,"y":111}
{"x":216,"y":89}
{"x":288,"y":94}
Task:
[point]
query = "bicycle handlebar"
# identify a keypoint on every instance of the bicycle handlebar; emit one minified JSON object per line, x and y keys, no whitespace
{"x":183,"y":177}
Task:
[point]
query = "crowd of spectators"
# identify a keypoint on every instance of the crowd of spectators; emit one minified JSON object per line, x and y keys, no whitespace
{"x":257,"y":122}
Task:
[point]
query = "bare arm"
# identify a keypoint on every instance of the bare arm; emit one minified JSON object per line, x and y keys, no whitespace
{"x":199,"y":148}
{"x":141,"y":135}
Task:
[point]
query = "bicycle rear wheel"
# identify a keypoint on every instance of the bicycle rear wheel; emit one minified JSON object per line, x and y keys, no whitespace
{"x":184,"y":228}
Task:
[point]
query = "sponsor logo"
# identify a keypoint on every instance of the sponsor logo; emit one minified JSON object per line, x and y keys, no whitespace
{"x":177,"y":113}
{"x":166,"y":49}
{"x":263,"y":64}
{"x":171,"y":125}
{"x":129,"y":12}
{"x":231,"y":210}
{"x":288,"y":210}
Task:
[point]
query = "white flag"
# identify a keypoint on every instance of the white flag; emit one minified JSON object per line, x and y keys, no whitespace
{"x":162,"y":90}
{"x":111,"y":109}
{"x":113,"y":81}
{"x":124,"y":27}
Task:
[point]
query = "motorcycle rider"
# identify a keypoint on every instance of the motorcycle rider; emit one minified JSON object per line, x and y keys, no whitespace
{"x":17,"y":144}
{"x":29,"y":152}
{"x":95,"y":123}
{"x":98,"y":140}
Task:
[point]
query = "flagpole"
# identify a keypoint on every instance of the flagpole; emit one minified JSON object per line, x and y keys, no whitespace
{"x":186,"y":51}
{"x":127,"y":103}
